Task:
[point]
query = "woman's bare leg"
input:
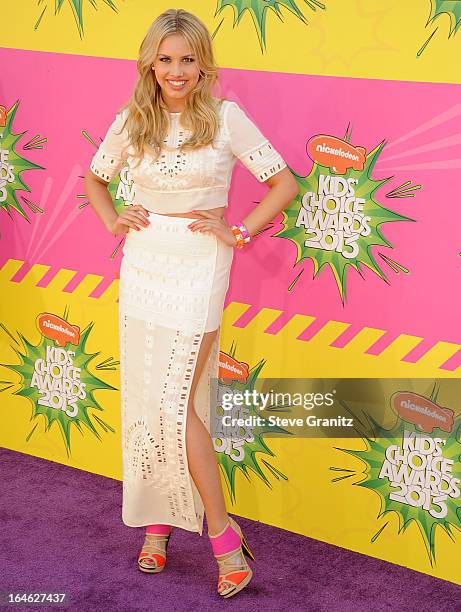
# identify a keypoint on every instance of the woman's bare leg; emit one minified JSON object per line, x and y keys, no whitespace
{"x":201,"y":454}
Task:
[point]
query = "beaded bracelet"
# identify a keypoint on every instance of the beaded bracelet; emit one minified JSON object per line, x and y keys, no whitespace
{"x":242,"y":235}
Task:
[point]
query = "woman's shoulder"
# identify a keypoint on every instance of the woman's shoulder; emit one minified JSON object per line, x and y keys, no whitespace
{"x":222,"y":104}
{"x":224,"y":101}
{"x":233,"y":114}
{"x":229,"y":112}
{"x":123,"y":112}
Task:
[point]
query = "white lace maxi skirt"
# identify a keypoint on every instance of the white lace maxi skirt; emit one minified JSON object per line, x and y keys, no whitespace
{"x":173,"y":282}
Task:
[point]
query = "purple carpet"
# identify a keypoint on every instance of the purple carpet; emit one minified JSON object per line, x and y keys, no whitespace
{"x":62,"y":532}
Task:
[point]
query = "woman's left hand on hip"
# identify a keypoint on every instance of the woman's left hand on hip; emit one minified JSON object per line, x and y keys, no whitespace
{"x":214,"y":224}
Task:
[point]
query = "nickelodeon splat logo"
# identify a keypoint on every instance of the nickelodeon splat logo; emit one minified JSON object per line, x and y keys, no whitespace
{"x":422,"y":412}
{"x":414,"y":466}
{"x":231,"y":370}
{"x":2,"y":116}
{"x":58,"y":329}
{"x":55,"y":376}
{"x":335,"y":220}
{"x":337,"y":154}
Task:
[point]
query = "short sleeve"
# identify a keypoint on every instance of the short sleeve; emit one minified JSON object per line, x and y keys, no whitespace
{"x":250,"y":145}
{"x":111,"y":156}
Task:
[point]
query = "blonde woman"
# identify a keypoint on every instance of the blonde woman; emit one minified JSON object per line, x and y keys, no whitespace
{"x":180,"y":145}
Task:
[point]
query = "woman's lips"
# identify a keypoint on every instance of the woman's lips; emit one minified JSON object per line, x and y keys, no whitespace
{"x":173,"y":86}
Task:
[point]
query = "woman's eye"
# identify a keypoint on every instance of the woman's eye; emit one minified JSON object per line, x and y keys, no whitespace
{"x":167,"y":59}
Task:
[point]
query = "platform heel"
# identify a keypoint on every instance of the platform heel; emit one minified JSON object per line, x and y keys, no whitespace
{"x":152,"y":558}
{"x":230,"y":548}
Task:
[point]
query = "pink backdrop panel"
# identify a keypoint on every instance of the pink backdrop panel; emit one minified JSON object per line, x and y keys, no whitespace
{"x":63,"y":95}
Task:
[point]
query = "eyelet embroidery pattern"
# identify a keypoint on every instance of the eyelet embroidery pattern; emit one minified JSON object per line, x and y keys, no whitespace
{"x":199,"y":178}
{"x":263,"y":161}
{"x":169,"y":282}
{"x":173,"y":170}
{"x":105,"y":165}
{"x":171,"y":163}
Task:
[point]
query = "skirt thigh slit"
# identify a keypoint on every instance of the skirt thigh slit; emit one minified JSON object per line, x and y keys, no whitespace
{"x":169,"y":280}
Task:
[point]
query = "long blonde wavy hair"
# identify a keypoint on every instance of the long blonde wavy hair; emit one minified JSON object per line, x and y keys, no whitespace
{"x":148,"y":121}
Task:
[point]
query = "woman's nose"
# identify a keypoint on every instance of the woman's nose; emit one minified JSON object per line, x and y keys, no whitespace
{"x":176,"y":69}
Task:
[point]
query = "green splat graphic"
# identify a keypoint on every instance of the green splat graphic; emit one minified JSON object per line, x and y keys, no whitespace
{"x":428,"y":505}
{"x":246,"y":453}
{"x":333,"y":257}
{"x":258,"y":8}
{"x":65,"y":396}
{"x":122,"y":190}
{"x":12,"y":165}
{"x":450,"y":7}
{"x":77,"y":7}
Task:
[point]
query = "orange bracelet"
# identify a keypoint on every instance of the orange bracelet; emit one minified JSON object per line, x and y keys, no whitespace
{"x":241,"y":233}
{"x":239,"y":236}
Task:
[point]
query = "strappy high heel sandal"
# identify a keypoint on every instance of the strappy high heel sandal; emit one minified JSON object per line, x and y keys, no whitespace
{"x":152,"y":558}
{"x":234,"y":571}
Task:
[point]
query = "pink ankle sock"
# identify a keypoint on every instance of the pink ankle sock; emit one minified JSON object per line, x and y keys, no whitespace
{"x":225,"y":541}
{"x":158,"y":529}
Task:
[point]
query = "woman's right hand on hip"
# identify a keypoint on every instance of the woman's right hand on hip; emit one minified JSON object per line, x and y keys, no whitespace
{"x":135,"y":217}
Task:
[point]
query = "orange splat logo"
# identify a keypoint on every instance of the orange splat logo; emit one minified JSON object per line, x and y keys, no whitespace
{"x":421,"y":411}
{"x":58,"y":329}
{"x":231,"y":370}
{"x":334,"y":153}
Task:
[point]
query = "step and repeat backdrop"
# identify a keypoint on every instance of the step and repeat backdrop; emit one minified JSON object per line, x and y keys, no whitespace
{"x":359,"y":278}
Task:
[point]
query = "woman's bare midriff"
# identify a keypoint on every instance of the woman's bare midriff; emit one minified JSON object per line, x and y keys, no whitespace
{"x":219,"y":212}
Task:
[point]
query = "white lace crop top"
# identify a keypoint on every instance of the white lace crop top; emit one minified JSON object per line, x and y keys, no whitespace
{"x":182,"y":181}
